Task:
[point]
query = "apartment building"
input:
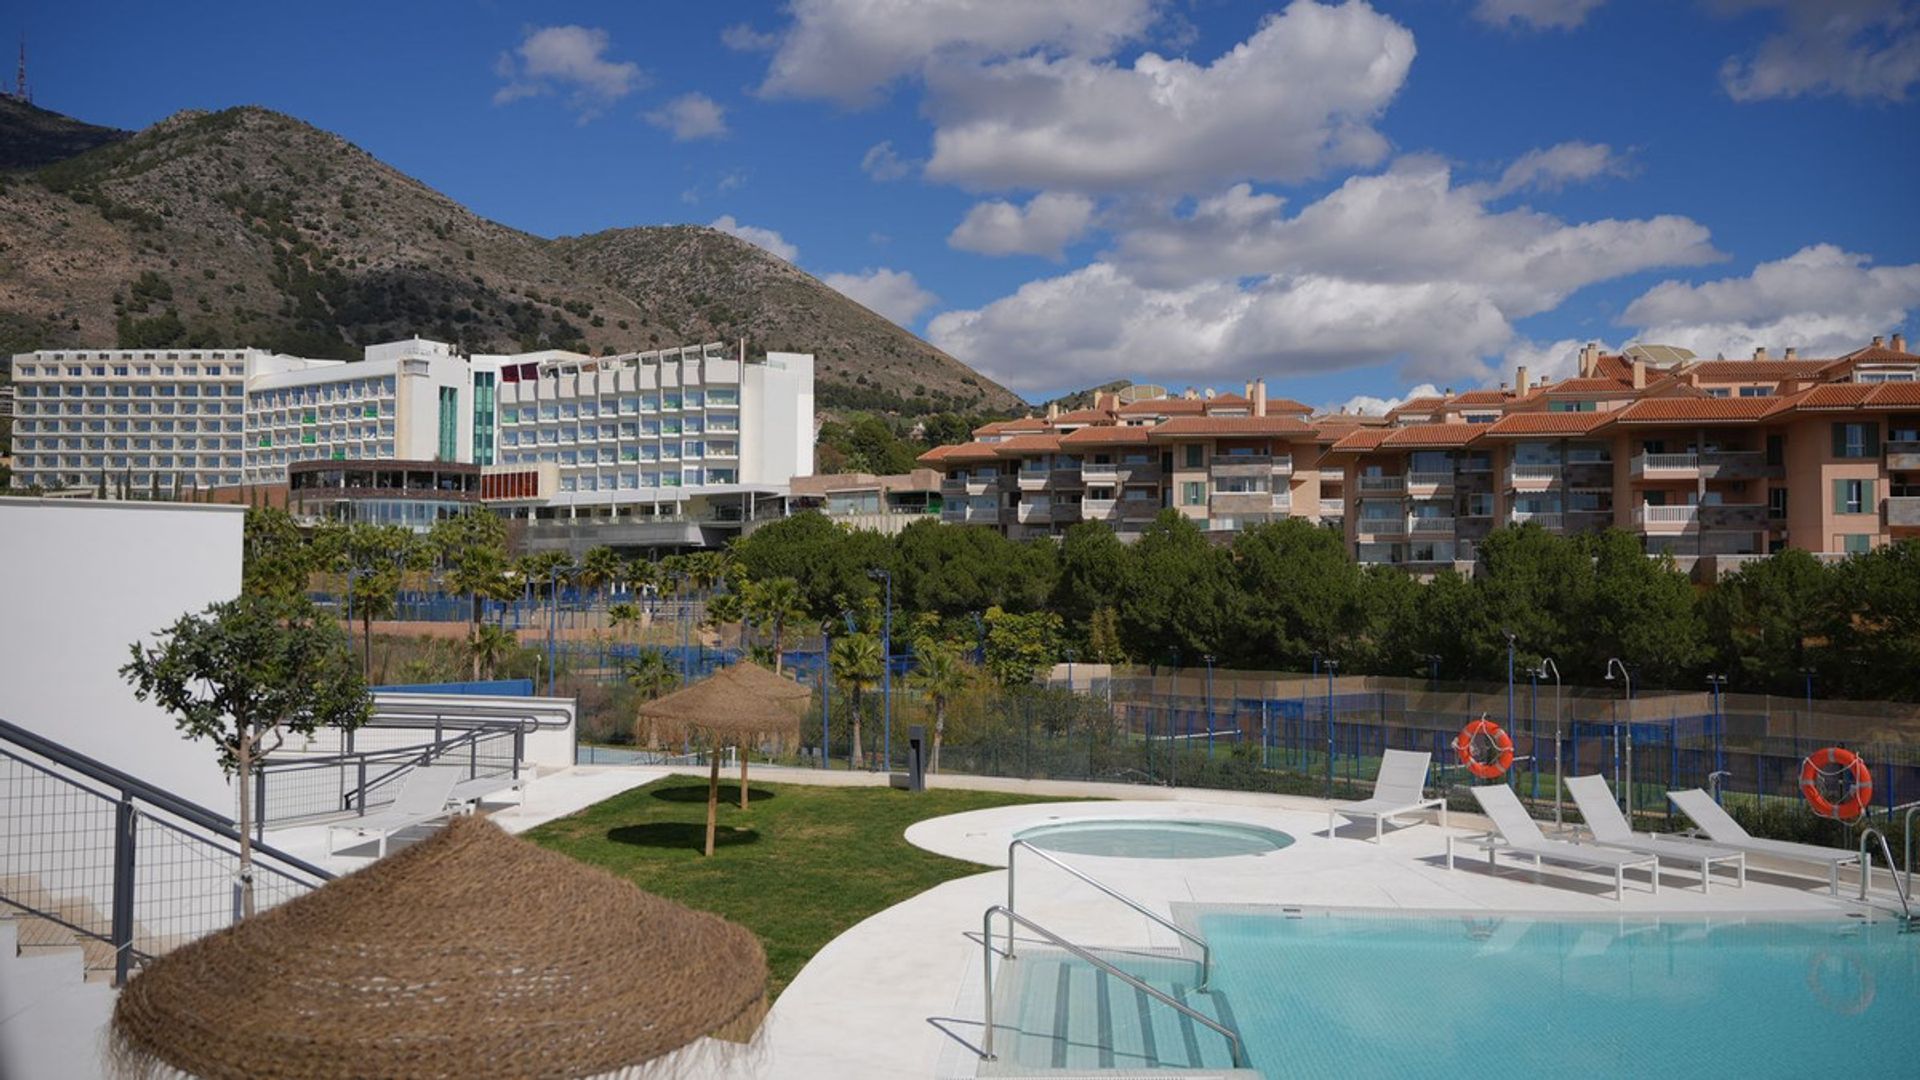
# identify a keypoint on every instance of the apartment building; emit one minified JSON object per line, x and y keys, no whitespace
{"x":1702,"y":459}
{"x":405,"y":401}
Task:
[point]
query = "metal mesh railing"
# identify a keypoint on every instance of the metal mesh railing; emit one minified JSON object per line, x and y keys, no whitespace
{"x":311,"y":788}
{"x":99,"y":859}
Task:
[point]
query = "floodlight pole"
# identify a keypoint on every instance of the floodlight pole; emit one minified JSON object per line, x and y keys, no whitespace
{"x":1332,"y":666}
{"x":1209,"y":659}
{"x":1717,"y":682}
{"x":1626,"y":680}
{"x":886,"y":669}
{"x":1547,"y":664}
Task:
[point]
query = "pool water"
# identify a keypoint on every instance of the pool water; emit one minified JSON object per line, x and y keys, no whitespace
{"x":1395,"y":996}
{"x":1155,"y":839}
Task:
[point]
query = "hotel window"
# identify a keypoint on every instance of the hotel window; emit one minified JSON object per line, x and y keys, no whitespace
{"x":1856,"y":440}
{"x":1756,"y":391}
{"x":1777,"y":503}
{"x":1853,"y":497}
{"x":1193,"y":492}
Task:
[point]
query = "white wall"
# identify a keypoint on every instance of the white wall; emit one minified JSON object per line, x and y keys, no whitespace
{"x":79,"y":582}
{"x":776,"y":419}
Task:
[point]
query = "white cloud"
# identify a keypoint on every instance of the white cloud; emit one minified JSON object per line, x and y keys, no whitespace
{"x":1557,"y":166}
{"x":1821,"y":299}
{"x":1535,"y":14}
{"x":551,"y":59}
{"x":1861,"y":49}
{"x":765,"y":239}
{"x":892,"y":293}
{"x":850,"y":50}
{"x":1409,"y":224}
{"x":1047,"y":224}
{"x":883,"y":164}
{"x":691,"y":116}
{"x":1298,"y":96}
{"x":1368,"y":405}
{"x":742,"y":37}
{"x":1554,"y":360}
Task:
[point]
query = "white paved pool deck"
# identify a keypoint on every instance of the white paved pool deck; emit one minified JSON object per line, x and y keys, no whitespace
{"x":899,"y":995}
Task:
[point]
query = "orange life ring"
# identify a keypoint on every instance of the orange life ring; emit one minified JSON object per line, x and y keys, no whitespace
{"x":1502,"y":747}
{"x":1825,"y":762}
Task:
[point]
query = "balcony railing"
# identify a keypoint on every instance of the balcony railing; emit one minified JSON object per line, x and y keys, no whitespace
{"x":1903,"y":510}
{"x":1333,"y":476}
{"x":1105,"y":471}
{"x":1532,"y":475}
{"x":1428,"y":524}
{"x":1548,"y":521}
{"x":1435,"y":480}
{"x":1903,"y":454}
{"x":1034,"y":513}
{"x":1098,"y":509}
{"x":1383,"y":483}
{"x":971,"y":515}
{"x":1333,"y":508}
{"x":1034,"y":479}
{"x":1666,"y":518}
{"x":1376,"y":526}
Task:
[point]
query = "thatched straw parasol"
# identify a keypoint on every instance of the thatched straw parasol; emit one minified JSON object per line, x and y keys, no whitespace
{"x":469,"y":954}
{"x":729,"y":711}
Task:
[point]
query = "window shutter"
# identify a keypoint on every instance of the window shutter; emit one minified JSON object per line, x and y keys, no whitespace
{"x":1839,"y":496}
{"x":1839,"y":440}
{"x":1867,"y":503}
{"x":1872,"y":439}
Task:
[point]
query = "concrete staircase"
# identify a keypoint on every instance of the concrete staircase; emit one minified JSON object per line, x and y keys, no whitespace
{"x":1058,"y":1015}
{"x":53,"y":1010}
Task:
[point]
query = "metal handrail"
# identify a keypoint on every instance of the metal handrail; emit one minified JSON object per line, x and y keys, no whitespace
{"x":1206,"y":952}
{"x":986,"y":956}
{"x":1906,"y":828}
{"x":1866,"y":872}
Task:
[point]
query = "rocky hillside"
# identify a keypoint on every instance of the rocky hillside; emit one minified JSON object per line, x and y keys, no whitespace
{"x":247,"y":227}
{"x":31,"y":136}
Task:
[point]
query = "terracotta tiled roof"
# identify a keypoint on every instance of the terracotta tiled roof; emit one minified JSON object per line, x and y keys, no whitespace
{"x":1416,"y":405}
{"x":1480,"y":397}
{"x":1229,"y":425}
{"x":1085,"y":416}
{"x":1697,"y":410}
{"x":1105,"y":435}
{"x":1879,"y":354}
{"x":1834,"y":396}
{"x":1573,"y":387}
{"x":1419,"y":436}
{"x":1896,"y":395}
{"x":935,"y":455}
{"x":1548,"y":423}
{"x":1027,"y":444}
{"x":970,"y":451}
{"x":1360,"y":440}
{"x":1008,"y":427}
{"x":1756,"y":370}
{"x":1231,"y":401}
{"x":1287,"y":406}
{"x":1613,"y":367}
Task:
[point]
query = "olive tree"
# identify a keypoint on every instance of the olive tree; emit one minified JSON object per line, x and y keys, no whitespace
{"x":244,"y":674}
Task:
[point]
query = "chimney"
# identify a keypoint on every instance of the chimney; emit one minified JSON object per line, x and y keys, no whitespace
{"x":1639,"y":374}
{"x":1792,"y":353}
{"x":1191,"y":394}
{"x":1260,"y":396}
{"x":1053,"y":409}
{"x":1521,"y":383}
{"x":1760,"y":352}
{"x":1899,"y":343}
{"x":1249,"y":394}
{"x":1589,"y":359}
{"x":1878,"y":342}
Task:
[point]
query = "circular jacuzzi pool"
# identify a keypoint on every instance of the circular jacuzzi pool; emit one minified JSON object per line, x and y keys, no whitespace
{"x":1154,"y":838}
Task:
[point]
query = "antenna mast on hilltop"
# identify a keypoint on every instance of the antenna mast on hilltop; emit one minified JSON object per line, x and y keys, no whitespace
{"x":20,"y":76}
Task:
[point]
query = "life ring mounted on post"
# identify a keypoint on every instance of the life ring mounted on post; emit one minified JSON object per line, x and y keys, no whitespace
{"x":1827,"y":763}
{"x":1495,"y":738}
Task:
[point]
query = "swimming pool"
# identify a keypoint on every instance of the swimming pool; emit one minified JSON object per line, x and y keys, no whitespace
{"x":1155,"y":838}
{"x":1507,"y":996}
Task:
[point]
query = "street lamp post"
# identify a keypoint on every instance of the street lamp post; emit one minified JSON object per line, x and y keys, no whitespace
{"x":1510,"y":639}
{"x":1717,"y":682}
{"x":1627,"y":681}
{"x":886,"y":668}
{"x":1547,"y":664}
{"x":826,"y":694}
{"x":553,"y":613}
{"x":1209,"y":659}
{"x":1332,"y":666}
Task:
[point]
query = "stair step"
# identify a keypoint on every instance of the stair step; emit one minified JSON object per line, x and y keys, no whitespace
{"x":1065,"y":1014}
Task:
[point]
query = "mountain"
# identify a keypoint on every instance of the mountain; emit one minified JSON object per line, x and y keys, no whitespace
{"x":31,"y":136}
{"x":247,"y":227}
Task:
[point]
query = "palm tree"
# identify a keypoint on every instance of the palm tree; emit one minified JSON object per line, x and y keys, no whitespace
{"x":856,"y":666}
{"x":488,"y":646}
{"x":728,"y":607}
{"x":775,"y":603}
{"x":473,"y":549}
{"x":652,"y":674}
{"x":600,"y":568}
{"x":939,"y":674}
{"x":622,"y":615}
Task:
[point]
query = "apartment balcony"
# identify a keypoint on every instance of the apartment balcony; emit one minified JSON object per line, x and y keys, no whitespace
{"x":1034,"y":513}
{"x":1099,"y":509}
{"x":970,"y":515}
{"x":1139,"y":509}
{"x":1532,"y":477}
{"x":1549,"y":522}
{"x":1588,"y":520}
{"x":1068,"y":477}
{"x":1383,"y":484}
{"x":1739,"y":517}
{"x":1428,"y":525}
{"x":1903,"y":510}
{"x":1903,"y":454}
{"x":1429,"y":483}
{"x":1379,"y":526}
{"x":1240,"y":503}
{"x":1664,"y":520}
{"x":1283,"y":502}
{"x":1720,"y":464}
{"x":1332,"y":476}
{"x":1333,"y":508}
{"x":1099,"y":473}
{"x":1035,"y":480}
{"x":1251,"y":465}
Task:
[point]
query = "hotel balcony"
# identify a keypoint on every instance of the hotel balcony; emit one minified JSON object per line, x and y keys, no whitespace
{"x":1666,"y":519}
{"x":1099,"y":509}
{"x":1427,"y":525}
{"x":1332,"y":476}
{"x":1376,"y":527}
{"x":1532,"y":477}
{"x":1903,"y":454}
{"x":1034,"y":513}
{"x":1549,"y":522}
{"x":1333,"y":508}
{"x":1139,"y":509}
{"x":1240,"y":503}
{"x":970,"y":515}
{"x":1102,"y":473}
{"x":1903,"y":510}
{"x":1383,"y":484}
{"x":1429,"y":483}
{"x":1035,"y":479}
{"x":1283,"y":502}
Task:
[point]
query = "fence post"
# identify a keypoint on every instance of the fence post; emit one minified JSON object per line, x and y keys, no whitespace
{"x":259,"y":804}
{"x":360,"y":789}
{"x":519,"y":748}
{"x":123,"y":842}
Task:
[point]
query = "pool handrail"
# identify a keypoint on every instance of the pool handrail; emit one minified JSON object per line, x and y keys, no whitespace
{"x":1206,"y":952}
{"x":986,"y":955}
{"x":1866,"y":873}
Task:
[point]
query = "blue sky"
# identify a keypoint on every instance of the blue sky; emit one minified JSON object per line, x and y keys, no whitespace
{"x":1348,"y":199}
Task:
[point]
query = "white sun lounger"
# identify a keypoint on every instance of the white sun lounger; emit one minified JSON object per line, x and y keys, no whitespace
{"x":1515,"y":832}
{"x":1610,"y":830}
{"x":426,"y":795}
{"x":1399,"y":788}
{"x":468,"y":794}
{"x":1722,"y":830}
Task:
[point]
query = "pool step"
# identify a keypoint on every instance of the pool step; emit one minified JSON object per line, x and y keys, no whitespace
{"x":1061,"y":1016}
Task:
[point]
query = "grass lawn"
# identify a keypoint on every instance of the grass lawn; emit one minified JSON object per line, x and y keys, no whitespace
{"x":798,"y":867}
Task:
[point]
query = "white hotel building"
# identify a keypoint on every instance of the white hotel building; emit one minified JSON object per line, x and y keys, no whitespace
{"x":696,"y":435}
